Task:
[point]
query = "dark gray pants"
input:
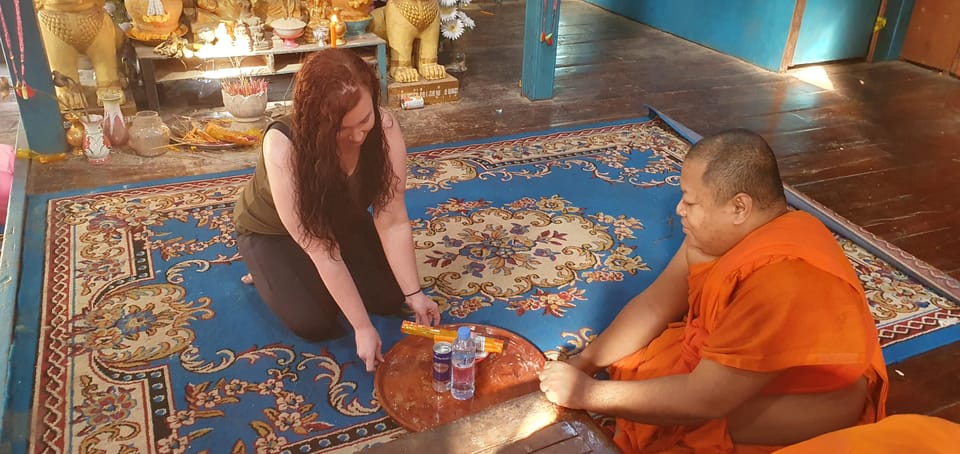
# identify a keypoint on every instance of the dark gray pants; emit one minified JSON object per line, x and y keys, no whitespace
{"x":291,"y":287}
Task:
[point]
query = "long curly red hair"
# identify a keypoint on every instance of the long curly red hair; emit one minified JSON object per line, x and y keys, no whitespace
{"x":329,"y":85}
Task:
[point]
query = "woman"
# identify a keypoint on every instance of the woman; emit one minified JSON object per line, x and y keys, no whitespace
{"x":304,"y":229}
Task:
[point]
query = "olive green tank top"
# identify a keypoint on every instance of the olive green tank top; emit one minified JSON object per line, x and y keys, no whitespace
{"x":256,"y":212}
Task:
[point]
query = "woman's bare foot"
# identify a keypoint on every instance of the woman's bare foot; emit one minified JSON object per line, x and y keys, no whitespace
{"x":247,"y":279}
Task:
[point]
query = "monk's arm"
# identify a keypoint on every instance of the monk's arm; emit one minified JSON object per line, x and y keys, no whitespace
{"x":711,"y":391}
{"x":641,"y":320}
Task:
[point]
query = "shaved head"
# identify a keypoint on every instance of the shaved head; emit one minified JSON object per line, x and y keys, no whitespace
{"x":739,"y":161}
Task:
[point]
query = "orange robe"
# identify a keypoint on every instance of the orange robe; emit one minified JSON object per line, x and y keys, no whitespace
{"x":785,"y":298}
{"x":915,"y":434}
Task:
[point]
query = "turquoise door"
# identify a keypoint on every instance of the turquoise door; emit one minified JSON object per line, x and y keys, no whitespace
{"x":835,"y":30}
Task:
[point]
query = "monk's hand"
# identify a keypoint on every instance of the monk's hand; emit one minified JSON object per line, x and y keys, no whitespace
{"x":564,"y":384}
{"x":426,"y":309}
{"x":582,"y":363}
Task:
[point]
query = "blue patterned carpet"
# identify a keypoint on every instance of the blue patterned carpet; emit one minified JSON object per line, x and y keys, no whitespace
{"x":136,"y":335}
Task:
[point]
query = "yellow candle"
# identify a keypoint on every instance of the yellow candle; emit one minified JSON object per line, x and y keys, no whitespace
{"x":333,"y":30}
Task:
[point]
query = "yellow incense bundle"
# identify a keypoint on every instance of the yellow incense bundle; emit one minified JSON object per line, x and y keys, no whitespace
{"x":487,"y":344}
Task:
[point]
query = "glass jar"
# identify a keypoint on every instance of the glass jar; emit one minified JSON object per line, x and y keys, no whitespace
{"x":114,"y":125}
{"x":149,"y":136}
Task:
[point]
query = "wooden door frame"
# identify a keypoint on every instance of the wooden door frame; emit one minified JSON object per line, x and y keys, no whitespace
{"x":794,"y":34}
{"x":788,"y":51}
{"x":876,"y":32}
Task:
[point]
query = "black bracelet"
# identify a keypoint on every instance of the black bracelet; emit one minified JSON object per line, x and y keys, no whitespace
{"x":408,"y":295}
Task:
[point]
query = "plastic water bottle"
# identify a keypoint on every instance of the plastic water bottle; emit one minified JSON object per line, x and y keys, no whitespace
{"x":463,"y":361}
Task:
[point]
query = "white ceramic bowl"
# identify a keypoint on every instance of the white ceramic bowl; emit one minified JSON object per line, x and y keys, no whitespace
{"x":288,"y":28}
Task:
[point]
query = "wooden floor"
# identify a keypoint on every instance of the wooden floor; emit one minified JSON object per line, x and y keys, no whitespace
{"x":877,"y":143}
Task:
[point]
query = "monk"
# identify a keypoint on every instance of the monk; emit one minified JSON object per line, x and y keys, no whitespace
{"x":756,"y":335}
{"x":915,"y":434}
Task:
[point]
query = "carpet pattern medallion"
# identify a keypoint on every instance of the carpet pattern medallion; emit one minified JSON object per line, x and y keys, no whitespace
{"x":143,"y":339}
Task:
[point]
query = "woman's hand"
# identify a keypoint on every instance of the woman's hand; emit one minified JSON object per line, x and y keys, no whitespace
{"x":425,"y":308}
{"x":368,"y":347}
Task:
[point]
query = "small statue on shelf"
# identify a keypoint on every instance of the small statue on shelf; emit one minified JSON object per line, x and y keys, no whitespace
{"x":271,"y":10}
{"x":253,"y":25}
{"x":318,"y":13}
{"x":308,"y":36}
{"x":242,"y":38}
{"x":260,"y":40}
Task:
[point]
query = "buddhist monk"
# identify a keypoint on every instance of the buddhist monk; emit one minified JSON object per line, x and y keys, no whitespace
{"x":756,"y":335}
{"x":897,"y":434}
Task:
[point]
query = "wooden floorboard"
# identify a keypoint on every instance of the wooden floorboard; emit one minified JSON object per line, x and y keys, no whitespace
{"x":877,"y":143}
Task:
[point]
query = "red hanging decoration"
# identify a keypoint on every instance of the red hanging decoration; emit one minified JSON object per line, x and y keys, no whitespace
{"x":22,"y":90}
{"x":546,"y":35}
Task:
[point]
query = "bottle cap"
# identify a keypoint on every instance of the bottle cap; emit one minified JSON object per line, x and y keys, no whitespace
{"x":463,"y":332}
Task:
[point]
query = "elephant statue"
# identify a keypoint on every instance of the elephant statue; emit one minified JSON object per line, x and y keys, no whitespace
{"x":70,"y":28}
{"x":403,"y":22}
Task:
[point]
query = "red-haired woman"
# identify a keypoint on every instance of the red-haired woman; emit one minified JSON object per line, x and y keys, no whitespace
{"x":303,"y":222}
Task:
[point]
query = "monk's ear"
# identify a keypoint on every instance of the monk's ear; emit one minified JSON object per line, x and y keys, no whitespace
{"x":742,"y":207}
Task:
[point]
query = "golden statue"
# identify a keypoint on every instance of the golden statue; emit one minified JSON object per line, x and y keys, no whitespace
{"x":154,"y":20}
{"x":271,"y":10}
{"x":73,"y":27}
{"x":401,"y":23}
{"x":319,"y":13}
{"x":352,"y":9}
{"x":211,"y":12}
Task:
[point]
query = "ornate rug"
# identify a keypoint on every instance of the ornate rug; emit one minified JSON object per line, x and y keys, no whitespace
{"x":135,"y":334}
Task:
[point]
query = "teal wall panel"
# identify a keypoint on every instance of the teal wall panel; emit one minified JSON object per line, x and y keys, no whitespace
{"x":753,"y":30}
{"x":833,"y":30}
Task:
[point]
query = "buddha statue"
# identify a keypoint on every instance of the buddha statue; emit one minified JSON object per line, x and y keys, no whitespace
{"x":212,"y":12}
{"x":271,"y":10}
{"x":153,"y":20}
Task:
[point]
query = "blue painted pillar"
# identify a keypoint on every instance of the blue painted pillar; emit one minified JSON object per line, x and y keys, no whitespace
{"x":39,"y":114}
{"x":539,"y":57}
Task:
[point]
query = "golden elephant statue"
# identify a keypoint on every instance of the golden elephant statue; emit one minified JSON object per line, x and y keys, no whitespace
{"x":402,"y":23}
{"x":73,"y":27}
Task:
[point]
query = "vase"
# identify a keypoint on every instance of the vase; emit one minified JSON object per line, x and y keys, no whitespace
{"x":96,"y":146}
{"x":149,"y":135}
{"x":75,"y":134}
{"x":114,"y":125}
{"x":245,"y":107}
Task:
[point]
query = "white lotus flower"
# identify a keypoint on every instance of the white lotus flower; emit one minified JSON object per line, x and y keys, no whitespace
{"x":452,"y":29}
{"x":467,"y":21}
{"x":448,"y":3}
{"x":448,"y":13}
